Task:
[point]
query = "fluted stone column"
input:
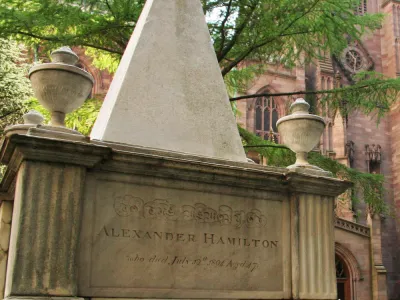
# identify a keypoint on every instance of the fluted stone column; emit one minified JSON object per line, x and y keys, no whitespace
{"x":6,"y":208}
{"x":47,"y":214}
{"x":313,"y":241}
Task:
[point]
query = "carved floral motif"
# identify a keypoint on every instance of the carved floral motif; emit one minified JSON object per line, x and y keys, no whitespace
{"x":160,"y":209}
{"x":126,"y":206}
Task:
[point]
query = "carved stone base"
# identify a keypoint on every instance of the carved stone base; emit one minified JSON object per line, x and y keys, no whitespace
{"x":18,"y":129}
{"x":57,"y":133}
{"x":46,"y":131}
{"x":309,"y":170}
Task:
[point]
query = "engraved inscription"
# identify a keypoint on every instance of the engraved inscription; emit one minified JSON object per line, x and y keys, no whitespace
{"x":205,"y":238}
{"x":195,"y":262}
{"x":171,"y":242}
{"x":128,"y":205}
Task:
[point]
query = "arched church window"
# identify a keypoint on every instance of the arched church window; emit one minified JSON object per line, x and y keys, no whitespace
{"x":361,"y":9}
{"x":266,"y":116}
{"x":342,"y":280}
{"x":340,"y":269}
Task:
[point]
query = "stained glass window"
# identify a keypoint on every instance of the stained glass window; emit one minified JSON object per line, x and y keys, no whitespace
{"x":266,"y":116}
{"x":340,"y":269}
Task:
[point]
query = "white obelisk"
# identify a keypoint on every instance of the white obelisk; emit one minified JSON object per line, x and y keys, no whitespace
{"x":168,"y":92}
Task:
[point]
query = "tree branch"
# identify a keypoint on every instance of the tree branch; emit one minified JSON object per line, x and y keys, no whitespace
{"x":282,"y":33}
{"x":54,"y":39}
{"x":9,"y":113}
{"x":222,"y":29}
{"x":236,"y":35}
{"x":296,"y":93}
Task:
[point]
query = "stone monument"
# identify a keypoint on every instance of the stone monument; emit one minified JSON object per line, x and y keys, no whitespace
{"x":161,"y":203}
{"x":168,"y":91}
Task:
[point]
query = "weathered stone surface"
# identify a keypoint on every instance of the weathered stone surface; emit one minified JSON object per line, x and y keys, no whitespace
{"x":313,"y":260}
{"x":187,"y":242}
{"x":140,"y":205}
{"x":47,"y":210}
{"x":5,"y":229}
{"x":44,"y":233}
{"x":168,"y":92}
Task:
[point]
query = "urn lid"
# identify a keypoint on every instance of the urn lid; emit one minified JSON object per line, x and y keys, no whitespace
{"x":33,"y":117}
{"x":64,"y":55}
{"x":300,"y":106}
{"x":300,"y":110}
{"x":63,"y":59}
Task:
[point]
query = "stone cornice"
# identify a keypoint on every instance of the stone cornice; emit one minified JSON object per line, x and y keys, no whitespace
{"x":352,"y":227}
{"x":316,"y":184}
{"x":141,"y":161}
{"x":17,"y":148}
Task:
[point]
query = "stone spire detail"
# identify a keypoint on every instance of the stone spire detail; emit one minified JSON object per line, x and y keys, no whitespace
{"x":168,"y":92}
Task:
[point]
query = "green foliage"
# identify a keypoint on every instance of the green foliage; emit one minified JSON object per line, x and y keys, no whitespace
{"x":100,"y":24}
{"x":14,"y":86}
{"x":372,"y":94}
{"x":278,"y":157}
{"x":81,"y":119}
{"x":104,"y":60}
{"x":368,"y":187}
{"x":238,"y":79}
{"x":283,"y":31}
{"x":2,"y":170}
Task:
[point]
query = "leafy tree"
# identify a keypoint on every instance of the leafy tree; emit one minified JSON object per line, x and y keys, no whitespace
{"x":289,"y":32}
{"x":14,"y":86}
{"x":285,"y":30}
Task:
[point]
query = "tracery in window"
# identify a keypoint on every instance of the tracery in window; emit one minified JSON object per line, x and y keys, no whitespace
{"x":340,"y":269}
{"x":266,"y":116}
{"x":361,"y":9}
{"x":373,"y":156}
{"x":354,"y":60}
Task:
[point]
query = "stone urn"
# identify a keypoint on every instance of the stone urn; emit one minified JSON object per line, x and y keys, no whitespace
{"x":301,"y":132}
{"x":60,"y":86}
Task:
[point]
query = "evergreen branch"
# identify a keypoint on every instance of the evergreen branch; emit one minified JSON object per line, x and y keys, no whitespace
{"x":259,"y":45}
{"x":372,"y":92}
{"x":223,"y":24}
{"x":280,"y":94}
{"x":235,"y":37}
{"x":60,"y":40}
